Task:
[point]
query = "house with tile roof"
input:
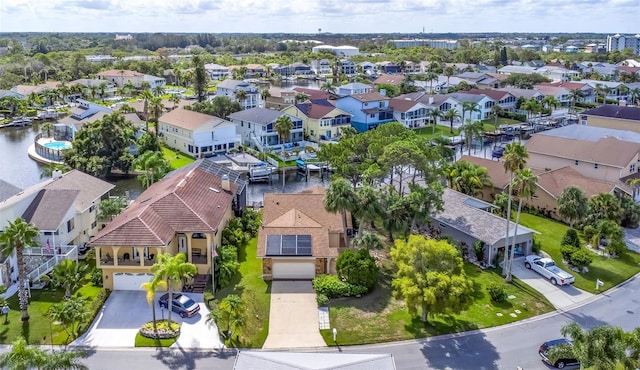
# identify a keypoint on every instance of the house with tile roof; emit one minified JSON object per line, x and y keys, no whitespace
{"x":65,"y":210}
{"x":313,"y":94}
{"x":25,"y":90}
{"x":367,"y":110}
{"x":386,"y":79}
{"x":482,"y":80}
{"x":504,"y":99}
{"x":612,"y":116}
{"x":230,"y":87}
{"x":467,"y":219}
{"x":122,"y":77}
{"x":257,"y":128}
{"x":280,"y":98}
{"x":412,"y":114}
{"x":586,"y":90}
{"x":560,"y":93}
{"x":321,"y":120}
{"x":197,"y":134}
{"x":185,"y":212}
{"x":299,"y":238}
{"x":523,"y":93}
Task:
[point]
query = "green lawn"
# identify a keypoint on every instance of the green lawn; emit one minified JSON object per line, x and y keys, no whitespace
{"x":612,"y":271}
{"x":442,"y":130}
{"x":39,"y":328}
{"x":142,"y":341}
{"x":176,"y":159}
{"x":378,"y":317}
{"x":256,"y":294}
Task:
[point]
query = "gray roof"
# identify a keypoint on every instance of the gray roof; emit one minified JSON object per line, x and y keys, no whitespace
{"x":260,"y":116}
{"x":232,"y":84}
{"x":250,"y":360}
{"x":49,"y":208}
{"x":462,"y":97}
{"x":525,"y":93}
{"x":461,"y":212}
{"x":78,"y":123}
{"x":591,"y":133}
{"x":90,"y":188}
{"x":355,"y":85}
{"x":8,"y":190}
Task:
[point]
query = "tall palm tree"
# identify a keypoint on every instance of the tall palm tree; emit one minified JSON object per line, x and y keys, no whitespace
{"x":471,"y":130}
{"x":524,"y":185}
{"x":451,"y":115}
{"x":496,"y":111}
{"x":231,"y":310}
{"x":574,"y":96}
{"x":341,"y":198}
{"x":550,"y":102}
{"x":241,"y":97}
{"x":368,"y":205}
{"x":47,"y":127}
{"x":146,"y":96}
{"x":572,"y":205}
{"x":328,"y":87}
{"x":468,"y":178}
{"x":431,"y":76}
{"x":173,"y":270}
{"x":515,"y":158}
{"x":102,"y":88}
{"x":158,"y":90}
{"x":175,"y":99}
{"x":469,"y":106}
{"x":283,"y":126}
{"x":151,"y":287}
{"x":153,"y":164}
{"x":449,"y":72}
{"x":635,"y":95}
{"x":19,"y":235}
{"x":157,"y":107}
{"x":435,"y":114}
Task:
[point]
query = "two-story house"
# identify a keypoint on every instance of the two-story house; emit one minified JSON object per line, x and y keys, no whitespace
{"x":257,"y":127}
{"x":354,"y":88}
{"x":197,"y":134}
{"x":612,"y":116}
{"x":84,"y":112}
{"x":561,"y":94}
{"x":279,"y":98}
{"x":64,"y":209}
{"x":121,"y":77}
{"x":230,"y":88}
{"x":389,"y":67}
{"x":612,"y":92}
{"x":455,"y":101}
{"x":504,"y":99}
{"x":185,"y":212}
{"x":321,"y":119}
{"x":217,"y":71}
{"x":586,"y":90}
{"x":347,"y":67}
{"x":368,"y":68}
{"x":299,"y":238}
{"x":367,"y":110}
{"x":321,"y":67}
{"x":482,"y":80}
{"x":412,"y":114}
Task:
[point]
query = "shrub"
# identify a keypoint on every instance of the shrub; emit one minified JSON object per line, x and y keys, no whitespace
{"x":322,"y":300}
{"x":589,"y":232}
{"x":536,"y":247}
{"x":567,"y":251}
{"x":580,"y":258}
{"x":497,"y":292}
{"x":571,"y":238}
{"x":96,"y":277}
{"x":331,"y":286}
{"x":478,"y":249}
{"x":616,"y":247}
{"x":358,"y":268}
{"x":94,"y":308}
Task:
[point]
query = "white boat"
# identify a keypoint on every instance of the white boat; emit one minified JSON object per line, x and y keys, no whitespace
{"x":21,"y":122}
{"x":260,"y":172}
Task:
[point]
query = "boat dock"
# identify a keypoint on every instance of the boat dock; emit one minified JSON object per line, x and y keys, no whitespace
{"x":309,"y":167}
{"x":18,"y":122}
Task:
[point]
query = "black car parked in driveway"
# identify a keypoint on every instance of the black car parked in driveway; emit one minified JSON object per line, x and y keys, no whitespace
{"x":183,"y":305}
{"x":561,"y":362}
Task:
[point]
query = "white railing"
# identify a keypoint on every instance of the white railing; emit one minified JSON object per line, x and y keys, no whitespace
{"x":56,"y":254}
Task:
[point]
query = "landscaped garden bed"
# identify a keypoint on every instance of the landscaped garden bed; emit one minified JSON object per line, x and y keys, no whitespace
{"x":162,"y":330}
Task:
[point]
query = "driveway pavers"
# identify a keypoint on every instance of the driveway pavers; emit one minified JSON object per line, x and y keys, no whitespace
{"x":561,"y":297}
{"x":293,"y":316}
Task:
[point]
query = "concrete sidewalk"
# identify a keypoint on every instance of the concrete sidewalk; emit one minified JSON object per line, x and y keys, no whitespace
{"x":293,"y":316}
{"x":560,"y":297}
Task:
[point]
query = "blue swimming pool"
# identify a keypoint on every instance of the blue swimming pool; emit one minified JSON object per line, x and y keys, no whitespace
{"x":58,"y":145}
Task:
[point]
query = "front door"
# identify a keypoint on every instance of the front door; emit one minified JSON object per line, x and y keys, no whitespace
{"x":182,"y":244}
{"x":328,"y":134}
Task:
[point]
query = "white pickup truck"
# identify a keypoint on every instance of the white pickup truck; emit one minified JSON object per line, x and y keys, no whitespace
{"x":547,"y":268}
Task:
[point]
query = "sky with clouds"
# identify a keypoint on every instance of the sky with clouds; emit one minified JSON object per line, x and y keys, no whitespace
{"x":307,"y":16}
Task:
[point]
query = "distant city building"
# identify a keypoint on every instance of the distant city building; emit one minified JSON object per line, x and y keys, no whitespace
{"x":621,"y":42}
{"x":124,"y":37}
{"x":436,"y":44}
{"x":342,"y":51}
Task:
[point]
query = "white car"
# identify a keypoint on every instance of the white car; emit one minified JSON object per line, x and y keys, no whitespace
{"x":547,"y":268}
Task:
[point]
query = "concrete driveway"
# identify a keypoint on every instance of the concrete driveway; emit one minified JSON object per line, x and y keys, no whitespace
{"x":560,"y":297}
{"x":125,"y":312}
{"x":293,"y":316}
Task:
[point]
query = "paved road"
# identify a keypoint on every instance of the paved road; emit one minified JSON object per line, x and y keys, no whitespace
{"x":504,"y":347}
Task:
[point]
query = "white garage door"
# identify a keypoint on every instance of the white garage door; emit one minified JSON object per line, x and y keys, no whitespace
{"x":130,"y":281}
{"x":288,"y":269}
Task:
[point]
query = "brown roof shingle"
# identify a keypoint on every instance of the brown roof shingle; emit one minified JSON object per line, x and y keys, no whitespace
{"x":186,"y":119}
{"x":372,"y":96}
{"x":554,"y":182}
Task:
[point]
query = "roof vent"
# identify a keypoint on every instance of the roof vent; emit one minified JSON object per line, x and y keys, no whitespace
{"x":226,"y":184}
{"x":214,"y":190}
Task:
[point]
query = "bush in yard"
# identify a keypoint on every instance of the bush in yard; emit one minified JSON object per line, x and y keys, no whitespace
{"x":567,"y":251}
{"x":322,"y":300}
{"x":478,"y":250}
{"x":571,"y":238}
{"x":94,"y":308}
{"x":331,"y":286}
{"x":497,"y":292}
{"x":358,"y":268}
{"x":227,"y":264}
{"x":581,"y":258}
{"x":250,"y":221}
{"x":589,"y":232}
{"x":536,"y":247}
{"x":616,"y":247}
{"x":96,"y":277}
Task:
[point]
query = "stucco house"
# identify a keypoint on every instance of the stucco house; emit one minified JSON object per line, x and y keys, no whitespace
{"x":483,"y":102}
{"x":197,"y":134}
{"x":367,"y":110}
{"x":216,"y":71}
{"x":257,"y":127}
{"x":467,"y":219}
{"x":185,"y":212}
{"x":299,"y":238}
{"x":504,"y":99}
{"x":122,"y":77}
{"x":354,"y":88}
{"x":279,"y":98}
{"x":412,"y":114}
{"x":321,"y":120}
{"x":229,"y":88}
{"x":612,"y":116}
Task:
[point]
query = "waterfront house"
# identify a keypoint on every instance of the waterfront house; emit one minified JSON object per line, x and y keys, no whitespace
{"x":257,"y":127}
{"x":229,"y":88}
{"x":367,"y":110}
{"x":321,"y":119}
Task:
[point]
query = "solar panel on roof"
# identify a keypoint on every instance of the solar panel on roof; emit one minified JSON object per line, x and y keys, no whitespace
{"x":289,"y":245}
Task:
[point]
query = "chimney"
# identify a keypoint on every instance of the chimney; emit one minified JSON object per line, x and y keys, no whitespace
{"x":56,"y":174}
{"x":430,"y":100}
{"x":226,"y":184}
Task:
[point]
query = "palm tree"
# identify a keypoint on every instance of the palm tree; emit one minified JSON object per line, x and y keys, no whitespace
{"x":154,"y":166}
{"x":550,"y":102}
{"x":572,"y":205}
{"x":468,"y":178}
{"x":265,"y":94}
{"x":368,"y":240}
{"x":341,"y":198}
{"x":469,"y":107}
{"x":146,"y":96}
{"x":283,"y":126}
{"x":151,"y":287}
{"x":241,"y":96}
{"x":24,"y":357}
{"x":600,"y":348}
{"x":602,"y":90}
{"x":471,"y":130}
{"x":635,"y":95}
{"x":524,"y":185}
{"x":451,"y":115}
{"x":157,"y":107}
{"x":173,"y":270}
{"x":496,"y":111}
{"x":328,"y":87}
{"x":368,"y":205}
{"x":435,"y":114}
{"x":175,"y":99}
{"x":449,"y":71}
{"x":231,"y":311}
{"x":102,"y":88}
{"x":515,"y":158}
{"x":19,"y":235}
{"x":300,"y":97}
{"x":47,"y":127}
{"x":68,"y":274}
{"x":158,"y":90}
{"x":430,"y":76}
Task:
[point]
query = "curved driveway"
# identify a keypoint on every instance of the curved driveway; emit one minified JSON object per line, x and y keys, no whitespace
{"x":504,"y":347}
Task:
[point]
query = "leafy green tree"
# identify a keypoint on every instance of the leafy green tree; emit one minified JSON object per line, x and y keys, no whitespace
{"x":572,"y":205}
{"x":430,"y":277}
{"x":25,"y":357}
{"x":110,"y":208}
{"x":71,"y":313}
{"x":603,"y":206}
{"x":154,"y":165}
{"x":524,"y":81}
{"x":17,"y":236}
{"x":151,"y":287}
{"x":358,"y":268}
{"x":174,"y":270}
{"x":468,"y":178}
{"x":220,"y":106}
{"x":630,"y":212}
{"x":524,"y":185}
{"x":227,"y":264}
{"x":148,"y":142}
{"x":69,"y":275}
{"x":571,"y":238}
{"x":340,"y":197}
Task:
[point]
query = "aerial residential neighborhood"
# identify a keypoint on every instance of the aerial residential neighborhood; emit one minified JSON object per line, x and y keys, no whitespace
{"x":314,"y":199}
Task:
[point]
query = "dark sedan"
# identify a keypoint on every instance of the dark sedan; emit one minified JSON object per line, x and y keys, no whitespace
{"x":182,"y":305}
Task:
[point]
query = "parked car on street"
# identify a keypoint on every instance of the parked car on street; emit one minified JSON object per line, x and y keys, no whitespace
{"x":182,"y":305}
{"x":563,"y":358}
{"x":547,"y":268}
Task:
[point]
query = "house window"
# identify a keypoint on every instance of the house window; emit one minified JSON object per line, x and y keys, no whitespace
{"x":70,"y":225}
{"x":577,"y":162}
{"x":632,"y":168}
{"x":94,"y":224}
{"x":249,"y":124}
{"x":92,"y":208}
{"x":595,"y":166}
